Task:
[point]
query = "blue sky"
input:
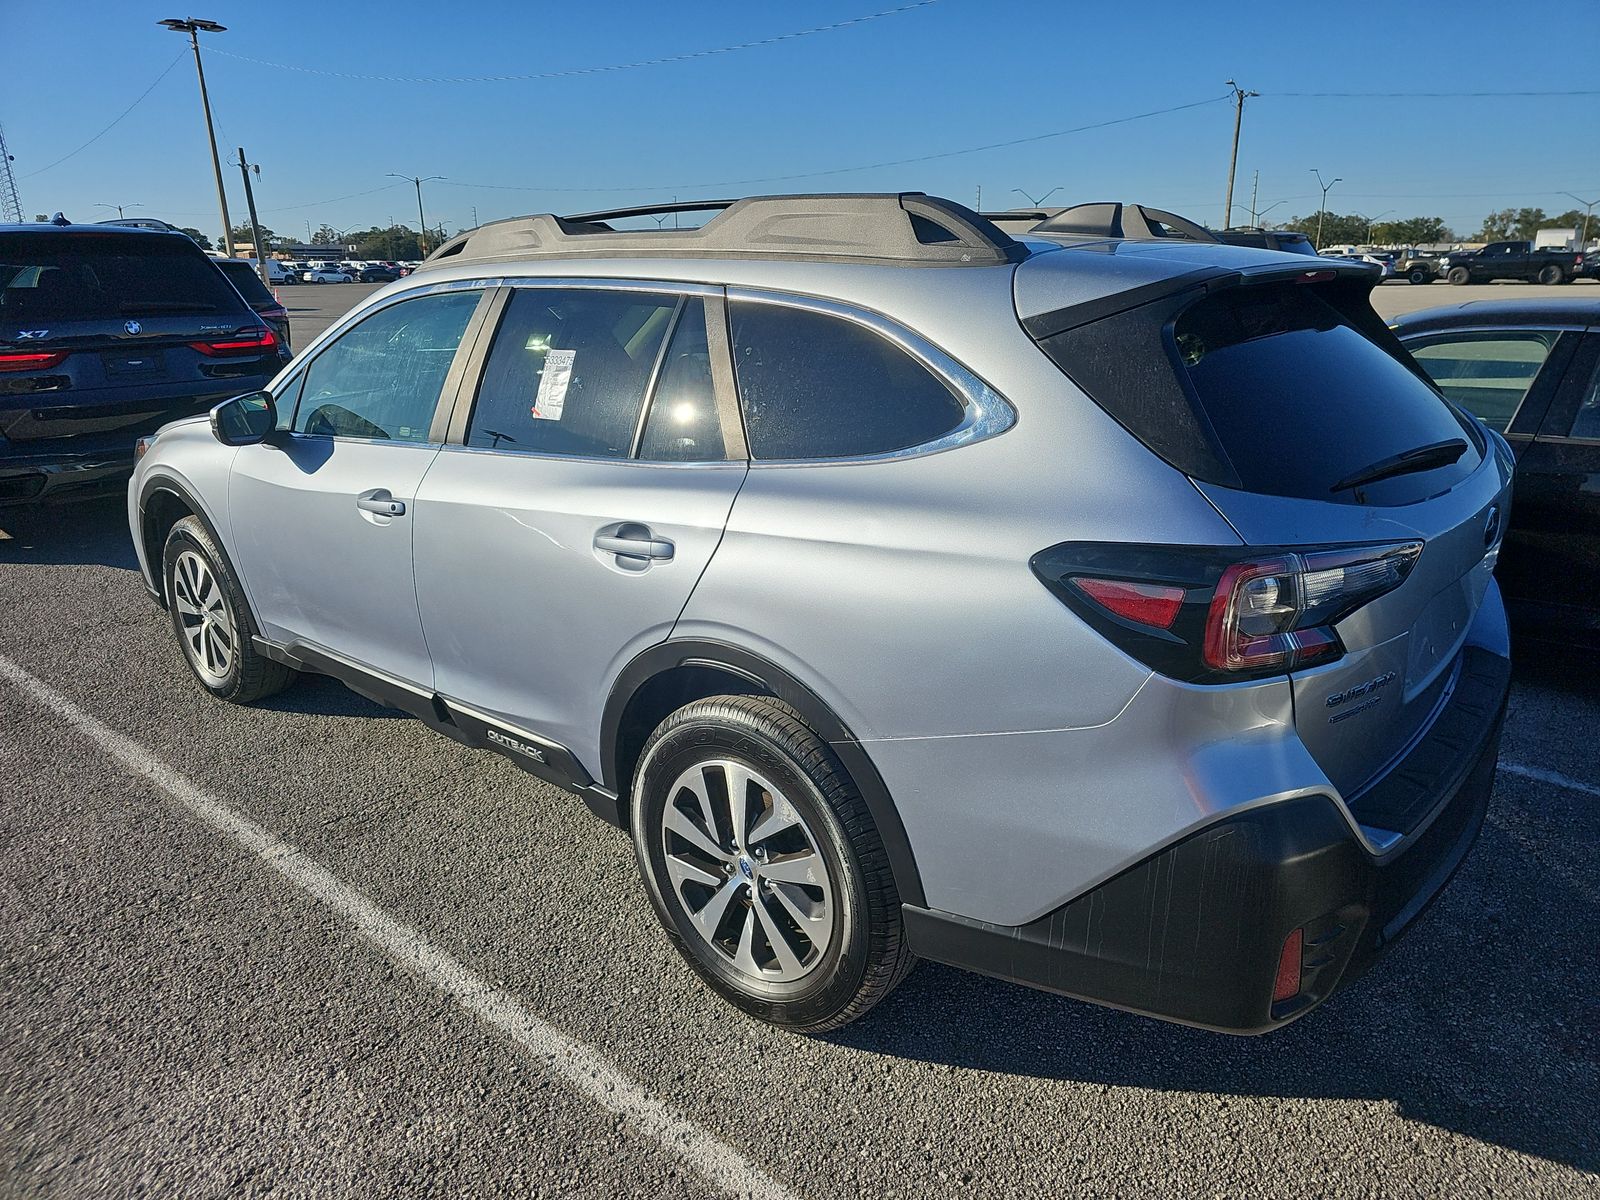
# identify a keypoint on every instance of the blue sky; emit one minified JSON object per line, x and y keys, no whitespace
{"x":941,"y":77}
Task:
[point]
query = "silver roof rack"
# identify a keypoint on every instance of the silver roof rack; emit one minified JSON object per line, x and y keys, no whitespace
{"x":907,"y":228}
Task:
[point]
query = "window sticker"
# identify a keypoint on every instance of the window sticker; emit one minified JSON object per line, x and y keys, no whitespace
{"x":553,"y":383}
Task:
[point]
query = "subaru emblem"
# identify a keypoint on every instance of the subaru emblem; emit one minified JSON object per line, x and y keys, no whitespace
{"x":133,"y":327}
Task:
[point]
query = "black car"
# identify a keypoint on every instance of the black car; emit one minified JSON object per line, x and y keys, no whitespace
{"x":1531,"y":370}
{"x":377,"y":274}
{"x":243,"y":276}
{"x":107,"y":333}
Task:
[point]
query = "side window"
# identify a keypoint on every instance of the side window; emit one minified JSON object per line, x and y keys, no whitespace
{"x":382,"y":377}
{"x":1488,"y":374}
{"x":568,"y":371}
{"x":683,"y":425}
{"x":816,"y":386}
{"x":1587,"y":424}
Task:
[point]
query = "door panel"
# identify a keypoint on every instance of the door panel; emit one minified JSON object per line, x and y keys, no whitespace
{"x":528,"y":607}
{"x":320,"y":568}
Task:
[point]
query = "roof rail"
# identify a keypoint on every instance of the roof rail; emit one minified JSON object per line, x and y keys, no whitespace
{"x":905,"y":227}
{"x":1135,"y":222}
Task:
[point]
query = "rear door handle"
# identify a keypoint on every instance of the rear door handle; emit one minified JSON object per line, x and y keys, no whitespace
{"x":633,"y":541}
{"x":379,"y":501}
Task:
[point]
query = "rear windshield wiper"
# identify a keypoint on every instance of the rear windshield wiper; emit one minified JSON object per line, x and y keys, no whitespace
{"x":1407,"y":462}
{"x":158,"y":306}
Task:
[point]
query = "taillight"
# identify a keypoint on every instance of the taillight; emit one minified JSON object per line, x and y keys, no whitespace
{"x":1208,"y":615}
{"x":11,"y":360}
{"x":250,"y":342}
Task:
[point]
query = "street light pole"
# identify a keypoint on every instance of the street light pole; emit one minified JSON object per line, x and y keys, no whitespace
{"x":1371,"y":221}
{"x":1239,"y":97}
{"x":1588,"y":207}
{"x":118,"y":207}
{"x":1323,"y":211}
{"x":422,"y":221}
{"x":193,"y":27}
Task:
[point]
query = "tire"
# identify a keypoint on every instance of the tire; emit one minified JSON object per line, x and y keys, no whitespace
{"x":1459,"y":276}
{"x":211,"y":620}
{"x":1552,"y":274}
{"x":827,"y":864}
{"x":1419,"y":275}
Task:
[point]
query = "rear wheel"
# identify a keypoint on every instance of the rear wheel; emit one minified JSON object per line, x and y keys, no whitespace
{"x":1418,"y":275}
{"x":1459,"y":275}
{"x":212,"y":621}
{"x":764,"y":866}
{"x":1552,"y":274}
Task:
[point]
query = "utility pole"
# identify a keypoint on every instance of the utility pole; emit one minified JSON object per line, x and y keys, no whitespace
{"x":474,"y":216}
{"x":1588,"y":207}
{"x":245,"y":168}
{"x":1255,"y":190}
{"x":1239,"y":97}
{"x":1323,"y":211}
{"x":422,"y":222}
{"x":193,"y":27}
{"x":978,"y":206}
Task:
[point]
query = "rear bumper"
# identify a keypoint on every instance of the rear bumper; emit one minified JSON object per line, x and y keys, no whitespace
{"x":1194,"y":933}
{"x":43,"y":479}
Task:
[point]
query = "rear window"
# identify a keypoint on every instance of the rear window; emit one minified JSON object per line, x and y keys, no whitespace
{"x":65,"y":276}
{"x":243,"y":277}
{"x":1269,"y":388}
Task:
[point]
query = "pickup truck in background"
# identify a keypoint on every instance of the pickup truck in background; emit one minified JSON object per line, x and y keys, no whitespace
{"x":1511,"y":260}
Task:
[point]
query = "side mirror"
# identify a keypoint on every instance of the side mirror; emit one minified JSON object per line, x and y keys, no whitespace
{"x":245,"y":420}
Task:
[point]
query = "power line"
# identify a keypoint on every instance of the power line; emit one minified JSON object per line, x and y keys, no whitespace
{"x":664,"y":60}
{"x":894,"y":162}
{"x":1420,"y":95}
{"x":114,"y":124}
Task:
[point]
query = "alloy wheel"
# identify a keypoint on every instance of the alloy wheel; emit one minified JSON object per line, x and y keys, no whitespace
{"x":206,"y":625}
{"x":747,"y":871}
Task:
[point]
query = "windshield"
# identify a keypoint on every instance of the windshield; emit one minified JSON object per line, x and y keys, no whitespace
{"x":88,"y":275}
{"x":243,"y":276}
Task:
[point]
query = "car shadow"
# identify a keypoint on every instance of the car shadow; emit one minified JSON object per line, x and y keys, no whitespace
{"x":1483,"y":1020}
{"x":324,"y":696}
{"x":92,"y":531}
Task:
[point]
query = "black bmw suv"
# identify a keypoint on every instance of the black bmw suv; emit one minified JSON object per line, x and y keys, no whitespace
{"x":105,"y":335}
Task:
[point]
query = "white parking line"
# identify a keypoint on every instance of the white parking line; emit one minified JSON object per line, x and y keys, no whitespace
{"x":1543,"y":776}
{"x":581,"y":1067}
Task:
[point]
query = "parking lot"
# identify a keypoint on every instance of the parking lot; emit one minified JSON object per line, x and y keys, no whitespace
{"x":311,"y":948}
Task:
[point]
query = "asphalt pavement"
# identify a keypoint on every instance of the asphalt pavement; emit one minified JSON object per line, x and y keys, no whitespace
{"x":312,"y":949}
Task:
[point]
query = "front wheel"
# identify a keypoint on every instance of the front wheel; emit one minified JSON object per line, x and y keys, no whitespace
{"x":764,"y":866}
{"x":1459,"y":276}
{"x":1418,"y":275}
{"x":212,"y":621}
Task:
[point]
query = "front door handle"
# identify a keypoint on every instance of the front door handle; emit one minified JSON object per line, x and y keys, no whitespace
{"x":379,"y":501}
{"x":633,"y":541}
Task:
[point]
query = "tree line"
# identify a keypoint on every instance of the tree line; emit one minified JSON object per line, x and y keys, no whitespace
{"x":396,"y":242}
{"x":1501,"y":225}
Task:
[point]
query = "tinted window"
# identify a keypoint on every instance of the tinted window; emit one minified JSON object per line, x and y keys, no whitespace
{"x":1587,"y":424}
{"x":98,"y":275}
{"x":1487,"y":374}
{"x":568,"y":371}
{"x":244,"y":278}
{"x":382,"y":378}
{"x":1298,"y":398}
{"x":683,"y":425}
{"x":815,"y":386}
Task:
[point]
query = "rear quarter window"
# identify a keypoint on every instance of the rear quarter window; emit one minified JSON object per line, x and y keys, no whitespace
{"x":815,"y":386}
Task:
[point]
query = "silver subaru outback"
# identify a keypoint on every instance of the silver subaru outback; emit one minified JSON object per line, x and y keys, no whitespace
{"x":1100,"y":609}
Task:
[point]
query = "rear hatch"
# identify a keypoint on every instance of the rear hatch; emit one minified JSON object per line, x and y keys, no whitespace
{"x":106,"y":334}
{"x":1301,"y":419}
